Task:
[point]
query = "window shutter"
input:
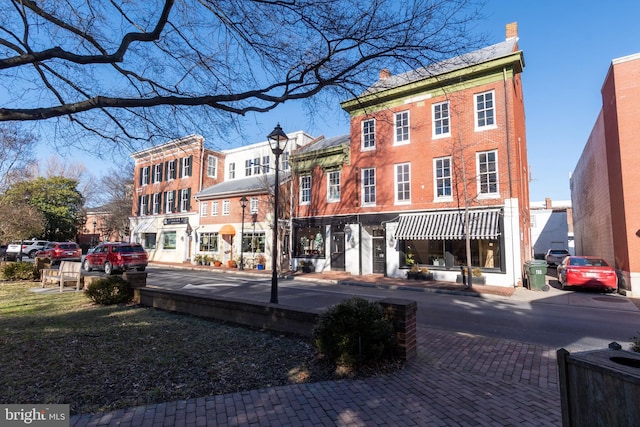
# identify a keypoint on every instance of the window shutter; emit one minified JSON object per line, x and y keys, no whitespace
{"x":141,"y":175}
{"x":146,"y":205}
{"x":189,"y":171}
{"x":160,"y":170}
{"x":188,"y":190}
{"x":139,"y":204}
{"x":178,"y":201}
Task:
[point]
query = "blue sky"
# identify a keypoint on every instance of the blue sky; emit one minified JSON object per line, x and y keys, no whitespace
{"x":568,"y":47}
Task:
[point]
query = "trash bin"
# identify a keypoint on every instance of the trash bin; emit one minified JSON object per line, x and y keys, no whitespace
{"x":536,"y":271}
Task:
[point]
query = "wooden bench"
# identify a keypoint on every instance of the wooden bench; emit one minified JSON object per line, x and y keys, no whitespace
{"x":67,"y":272}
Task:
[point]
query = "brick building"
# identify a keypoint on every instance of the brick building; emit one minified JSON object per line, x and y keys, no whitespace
{"x":426,"y":148}
{"x":166,"y":179}
{"x":604,"y":183}
{"x":187,"y":200}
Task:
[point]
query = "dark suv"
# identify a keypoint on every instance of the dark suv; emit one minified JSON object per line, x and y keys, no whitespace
{"x":60,"y":251}
{"x":112,"y":257}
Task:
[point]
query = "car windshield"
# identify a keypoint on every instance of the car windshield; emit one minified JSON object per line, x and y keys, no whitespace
{"x":589,"y":262}
{"x":559,"y":252}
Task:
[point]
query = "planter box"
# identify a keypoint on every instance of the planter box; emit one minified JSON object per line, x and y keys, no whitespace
{"x":419,"y":275}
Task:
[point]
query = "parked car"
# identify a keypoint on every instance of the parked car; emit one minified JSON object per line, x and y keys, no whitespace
{"x":555,"y":256}
{"x":60,"y":251}
{"x":586,"y":271}
{"x":112,"y":257}
{"x":29,"y":248}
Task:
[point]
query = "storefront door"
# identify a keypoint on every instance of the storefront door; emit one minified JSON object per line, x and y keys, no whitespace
{"x":337,"y":251}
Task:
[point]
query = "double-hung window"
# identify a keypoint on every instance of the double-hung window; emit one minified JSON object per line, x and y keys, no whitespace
{"x":157,"y":173}
{"x":248,"y":169}
{"x":214,"y":208}
{"x":212,"y":166}
{"x":144,"y":205}
{"x":284,"y":159}
{"x":256,"y":166}
{"x":487,"y":169}
{"x":204,"y":209}
{"x":305,"y":189}
{"x":441,"y":119}
{"x":185,"y":198}
{"x":144,"y":175}
{"x":156,"y":203}
{"x":368,"y":134}
{"x":402,"y":128}
{"x":232,"y":170}
{"x":369,"y":186}
{"x":170,"y":201}
{"x":185,"y":167}
{"x":253,"y":205}
{"x":170,"y":170}
{"x":403,"y":183}
{"x":333,"y":181}
{"x":265,"y":164}
{"x":485,"y":110}
{"x":226,"y":207}
{"x":442,"y":177}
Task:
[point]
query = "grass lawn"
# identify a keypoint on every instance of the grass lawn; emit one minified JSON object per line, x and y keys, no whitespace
{"x":61,"y":348}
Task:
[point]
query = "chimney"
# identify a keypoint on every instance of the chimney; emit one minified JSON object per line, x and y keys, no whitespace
{"x":512,"y":30}
{"x":547,"y":203}
{"x":385,"y":73}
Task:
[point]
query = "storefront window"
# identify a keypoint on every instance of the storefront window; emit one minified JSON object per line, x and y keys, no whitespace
{"x":209,"y":242}
{"x":485,"y":253}
{"x":309,"y":241}
{"x":169,"y":240}
{"x":253,"y":242}
{"x":149,"y":240}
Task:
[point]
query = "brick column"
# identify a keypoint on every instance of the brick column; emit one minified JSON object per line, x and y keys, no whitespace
{"x":138,"y":279}
{"x":403,"y":315}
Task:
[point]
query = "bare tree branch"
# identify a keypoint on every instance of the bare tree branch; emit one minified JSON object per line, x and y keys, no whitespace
{"x":131,"y":70}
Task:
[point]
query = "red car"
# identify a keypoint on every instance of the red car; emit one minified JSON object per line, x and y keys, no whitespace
{"x":60,"y":251}
{"x":588,"y":272}
{"x":112,"y":257}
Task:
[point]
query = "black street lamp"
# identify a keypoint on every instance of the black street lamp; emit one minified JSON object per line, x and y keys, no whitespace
{"x":243,"y":204}
{"x":93,"y":238}
{"x":277,"y":141}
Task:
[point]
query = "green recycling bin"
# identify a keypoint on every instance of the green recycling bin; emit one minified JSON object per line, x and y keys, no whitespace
{"x":536,"y":271}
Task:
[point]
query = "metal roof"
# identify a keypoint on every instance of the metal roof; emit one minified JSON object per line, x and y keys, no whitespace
{"x":252,"y":185}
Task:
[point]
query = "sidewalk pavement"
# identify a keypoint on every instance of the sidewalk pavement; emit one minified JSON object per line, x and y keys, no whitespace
{"x":457,"y":379}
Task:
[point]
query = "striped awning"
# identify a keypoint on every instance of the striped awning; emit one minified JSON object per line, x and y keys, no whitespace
{"x":483,"y":224}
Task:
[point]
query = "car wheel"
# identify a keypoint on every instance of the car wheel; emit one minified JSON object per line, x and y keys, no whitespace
{"x":86,"y":265}
{"x":108,"y":268}
{"x":140,"y":268}
{"x":32,"y":254}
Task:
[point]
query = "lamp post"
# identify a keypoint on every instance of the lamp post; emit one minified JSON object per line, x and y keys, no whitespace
{"x":243,"y":204}
{"x":277,"y":141}
{"x":93,"y":238}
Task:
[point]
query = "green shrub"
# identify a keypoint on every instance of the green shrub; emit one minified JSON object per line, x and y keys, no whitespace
{"x":20,"y":271}
{"x":110,"y":290}
{"x":354,"y":333}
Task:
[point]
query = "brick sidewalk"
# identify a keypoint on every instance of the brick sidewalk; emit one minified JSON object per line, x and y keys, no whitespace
{"x":457,"y":379}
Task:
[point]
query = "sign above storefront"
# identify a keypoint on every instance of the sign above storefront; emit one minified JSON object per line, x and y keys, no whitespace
{"x":176,"y":220}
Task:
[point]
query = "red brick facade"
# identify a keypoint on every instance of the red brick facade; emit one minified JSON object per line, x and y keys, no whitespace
{"x":407,"y":132}
{"x":604,"y":187}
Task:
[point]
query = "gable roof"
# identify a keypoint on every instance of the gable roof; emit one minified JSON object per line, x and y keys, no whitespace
{"x":259,"y":184}
{"x":480,"y":56}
